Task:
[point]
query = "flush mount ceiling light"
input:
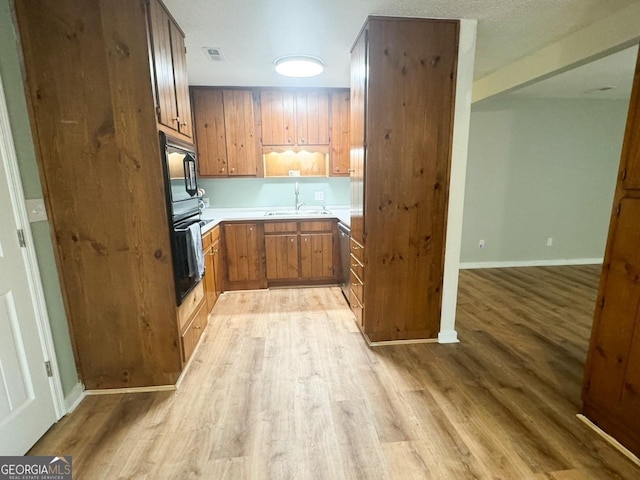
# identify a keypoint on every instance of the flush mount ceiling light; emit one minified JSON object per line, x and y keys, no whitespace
{"x":299,"y":66}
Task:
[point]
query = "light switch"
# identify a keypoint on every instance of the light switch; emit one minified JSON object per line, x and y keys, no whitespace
{"x":36,"y":210}
{"x":319,"y":195}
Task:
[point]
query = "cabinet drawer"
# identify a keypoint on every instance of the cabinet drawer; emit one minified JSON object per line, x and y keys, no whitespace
{"x":356,"y":267}
{"x":215,"y":234}
{"x":189,"y":305}
{"x":192,"y":334}
{"x":357,"y":287}
{"x":206,"y":240}
{"x":356,"y":308}
{"x":280,"y":227}
{"x":357,"y":250}
{"x":317,"y":226}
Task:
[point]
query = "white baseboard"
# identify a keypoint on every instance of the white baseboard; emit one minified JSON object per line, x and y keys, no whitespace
{"x":450,"y":336}
{"x":532,"y":263}
{"x":74,"y":398}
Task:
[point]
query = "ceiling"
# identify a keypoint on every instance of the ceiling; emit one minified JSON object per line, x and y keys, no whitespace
{"x":615,"y":70}
{"x":253,"y":33}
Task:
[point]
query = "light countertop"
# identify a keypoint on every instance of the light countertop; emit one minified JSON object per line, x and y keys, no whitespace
{"x":218,"y":215}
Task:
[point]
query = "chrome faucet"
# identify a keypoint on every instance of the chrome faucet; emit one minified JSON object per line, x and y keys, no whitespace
{"x":298,"y":204}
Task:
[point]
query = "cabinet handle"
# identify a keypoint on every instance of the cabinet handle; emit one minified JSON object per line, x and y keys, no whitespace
{"x":355,"y":247}
{"x":302,"y":140}
{"x":288,"y":140}
{"x":198,"y":327}
{"x":292,"y":240}
{"x":355,"y":265}
{"x":351,"y":170}
{"x":176,"y":119}
{"x":233,"y":170}
{"x":184,"y":124}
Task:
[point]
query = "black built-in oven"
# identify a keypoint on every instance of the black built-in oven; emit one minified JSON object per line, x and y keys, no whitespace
{"x":181,"y":192}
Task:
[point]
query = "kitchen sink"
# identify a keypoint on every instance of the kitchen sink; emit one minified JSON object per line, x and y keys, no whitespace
{"x":297,"y":213}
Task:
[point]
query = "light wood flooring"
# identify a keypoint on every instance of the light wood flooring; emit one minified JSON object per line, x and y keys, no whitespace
{"x":284,"y":386}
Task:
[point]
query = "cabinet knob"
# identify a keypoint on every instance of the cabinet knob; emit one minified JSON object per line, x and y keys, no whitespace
{"x":351,"y":170}
{"x":176,"y":119}
{"x":302,"y":140}
{"x":292,"y":240}
{"x":233,"y":170}
{"x":288,"y":140}
{"x":184,"y":124}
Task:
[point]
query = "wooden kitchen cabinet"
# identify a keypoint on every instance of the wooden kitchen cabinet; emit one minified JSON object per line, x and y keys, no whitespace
{"x":294,"y":117}
{"x":192,"y":334}
{"x":87,"y":63}
{"x":610,"y":393}
{"x":244,"y":247}
{"x":169,"y":67}
{"x":403,"y":77}
{"x":299,"y":253}
{"x":225,"y":132}
{"x":212,"y":280}
{"x":339,"y":153}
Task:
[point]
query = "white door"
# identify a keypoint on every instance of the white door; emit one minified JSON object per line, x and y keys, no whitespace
{"x":27,"y":407}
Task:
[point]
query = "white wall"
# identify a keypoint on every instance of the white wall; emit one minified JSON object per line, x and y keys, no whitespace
{"x":540,"y":168}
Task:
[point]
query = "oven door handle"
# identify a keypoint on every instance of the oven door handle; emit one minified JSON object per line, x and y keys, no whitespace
{"x":189,"y":166}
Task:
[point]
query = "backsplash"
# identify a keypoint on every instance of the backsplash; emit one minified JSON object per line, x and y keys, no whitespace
{"x":273,"y":192}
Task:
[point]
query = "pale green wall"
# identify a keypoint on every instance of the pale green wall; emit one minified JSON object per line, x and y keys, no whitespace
{"x":541,"y":168}
{"x":16,"y":103}
{"x":274,"y":192}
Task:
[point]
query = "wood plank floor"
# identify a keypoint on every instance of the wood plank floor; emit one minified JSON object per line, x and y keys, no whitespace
{"x":285,"y":387}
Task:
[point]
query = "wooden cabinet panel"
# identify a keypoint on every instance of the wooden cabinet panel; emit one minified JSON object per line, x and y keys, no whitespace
{"x":160,"y":26}
{"x":359,"y":68}
{"x":316,"y":255}
{"x":88,"y":62}
{"x":181,"y":81}
{"x":210,"y":132}
{"x":339,"y":153}
{"x":317,"y":226}
{"x":312,"y":118}
{"x":209,"y":278}
{"x":401,"y":143}
{"x":169,"y":65}
{"x":277,"y":110}
{"x":280,"y":227}
{"x":282,"y":257}
{"x":240,"y":132}
{"x":244,"y":255}
{"x":217,"y":269}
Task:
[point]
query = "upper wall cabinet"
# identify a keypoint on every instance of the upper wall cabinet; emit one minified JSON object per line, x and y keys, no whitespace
{"x":339,"y":155}
{"x":169,"y":65}
{"x":225,"y":132}
{"x":294,"y":118}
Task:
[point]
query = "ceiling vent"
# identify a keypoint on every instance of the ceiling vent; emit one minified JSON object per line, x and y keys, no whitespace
{"x":214,"y":53}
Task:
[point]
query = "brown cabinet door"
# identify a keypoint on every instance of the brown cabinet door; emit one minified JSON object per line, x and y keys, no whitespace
{"x":316,"y":255}
{"x":278,"y":118}
{"x":243,"y":252}
{"x":339,"y":154}
{"x":210,"y":132}
{"x":217,"y":272}
{"x":181,"y":82}
{"x":312,"y":118}
{"x":166,"y":105}
{"x":359,"y":60}
{"x":239,"y":123}
{"x":209,"y":279}
{"x":282,"y":257}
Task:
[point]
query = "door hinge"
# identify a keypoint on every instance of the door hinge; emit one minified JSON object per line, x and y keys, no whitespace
{"x":602,"y":303}
{"x":618,"y":209}
{"x":47,"y":365}
{"x":624,"y":174}
{"x":21,"y":239}
{"x":158,"y":111}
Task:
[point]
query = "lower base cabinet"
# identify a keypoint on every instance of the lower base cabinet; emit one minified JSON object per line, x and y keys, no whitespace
{"x":192,"y":319}
{"x":300,"y":253}
{"x":212,"y":278}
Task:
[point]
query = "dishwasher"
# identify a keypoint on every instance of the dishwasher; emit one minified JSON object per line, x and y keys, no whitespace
{"x":344,"y":233}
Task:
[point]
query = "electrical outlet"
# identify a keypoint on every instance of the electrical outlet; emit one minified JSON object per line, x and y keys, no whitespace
{"x":481,"y":244}
{"x":294,"y":173}
{"x":319,"y":195}
{"x":35,"y":210}
{"x":549,"y":241}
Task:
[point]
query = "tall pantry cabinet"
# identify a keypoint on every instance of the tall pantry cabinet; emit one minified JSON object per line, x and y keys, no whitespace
{"x":611,"y":391}
{"x":403,"y":77}
{"x":90,"y":84}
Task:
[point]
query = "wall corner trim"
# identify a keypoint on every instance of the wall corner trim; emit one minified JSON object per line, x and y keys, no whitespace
{"x":75,"y":396}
